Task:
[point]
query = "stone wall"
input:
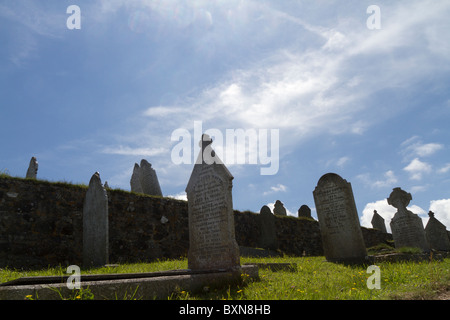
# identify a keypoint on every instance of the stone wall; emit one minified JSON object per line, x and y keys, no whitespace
{"x":41,"y":225}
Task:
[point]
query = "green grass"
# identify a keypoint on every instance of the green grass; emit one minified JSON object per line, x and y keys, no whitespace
{"x":314,"y":279}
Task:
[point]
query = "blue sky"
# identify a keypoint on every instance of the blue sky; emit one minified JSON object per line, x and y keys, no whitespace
{"x":370,"y":105}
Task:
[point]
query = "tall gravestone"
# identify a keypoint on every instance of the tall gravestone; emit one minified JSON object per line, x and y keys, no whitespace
{"x":378,"y":222}
{"x":212,"y":243}
{"x":279,"y":209}
{"x":32,"y":169}
{"x":407,"y":227}
{"x":149,"y":180}
{"x":268,"y":234}
{"x":135,"y":181}
{"x":437,"y":234}
{"x":95,"y":224}
{"x":338,"y":220}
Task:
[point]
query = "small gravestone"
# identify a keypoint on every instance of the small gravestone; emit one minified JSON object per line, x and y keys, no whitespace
{"x":436,"y":233}
{"x":268,"y":234}
{"x":32,"y":169}
{"x":407,"y":227}
{"x":135,"y":181}
{"x":149,"y":180}
{"x":95,"y":224}
{"x":279,"y":209}
{"x":378,"y":222}
{"x":212,"y":243}
{"x":338,"y":220}
{"x":304,"y":211}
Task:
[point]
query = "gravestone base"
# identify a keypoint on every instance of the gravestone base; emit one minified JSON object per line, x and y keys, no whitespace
{"x":146,"y":286}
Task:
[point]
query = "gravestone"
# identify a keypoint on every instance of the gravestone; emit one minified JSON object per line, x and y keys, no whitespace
{"x":135,"y":181}
{"x":378,"y":222}
{"x":149,"y":180}
{"x":436,"y":233}
{"x":32,"y":169}
{"x":304,"y":211}
{"x":338,"y":220}
{"x":407,"y":227}
{"x":212,"y":243}
{"x":268,"y":235}
{"x":279,"y":209}
{"x":95,"y":224}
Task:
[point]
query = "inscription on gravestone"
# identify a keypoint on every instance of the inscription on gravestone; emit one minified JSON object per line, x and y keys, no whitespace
{"x":212,"y":243}
{"x":338,"y":220}
{"x":407,"y":227}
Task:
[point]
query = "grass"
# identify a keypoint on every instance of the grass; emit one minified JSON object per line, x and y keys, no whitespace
{"x":314,"y":279}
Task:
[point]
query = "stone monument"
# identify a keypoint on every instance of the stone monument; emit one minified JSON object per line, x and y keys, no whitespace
{"x":437,"y":234}
{"x":149,"y":180}
{"x":95,"y":224}
{"x":378,"y":222}
{"x":135,"y":181}
{"x":279,"y":209}
{"x":212,"y":242}
{"x":407,"y":227}
{"x":304,"y":211}
{"x":268,"y":234}
{"x":338,"y":220}
{"x":32,"y":169}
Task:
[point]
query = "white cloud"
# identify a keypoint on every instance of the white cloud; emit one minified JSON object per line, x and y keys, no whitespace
{"x":128,"y":151}
{"x":278,"y":188}
{"x":342,"y":161}
{"x":444,"y":169}
{"x":179,"y":196}
{"x":417,"y":168}
{"x":389,"y":180}
{"x":414,"y":147}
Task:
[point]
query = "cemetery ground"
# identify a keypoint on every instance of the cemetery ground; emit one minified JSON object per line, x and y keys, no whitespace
{"x":313,"y":279}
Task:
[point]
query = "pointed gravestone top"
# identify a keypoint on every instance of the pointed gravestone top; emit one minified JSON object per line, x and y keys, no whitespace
{"x":95,"y":224}
{"x":378,"y":222}
{"x":437,"y":234}
{"x":407,"y":227}
{"x":149,"y":180}
{"x":135,"y":181}
{"x":338,"y":220}
{"x":212,"y":243}
{"x":32,"y":169}
{"x":268,"y":234}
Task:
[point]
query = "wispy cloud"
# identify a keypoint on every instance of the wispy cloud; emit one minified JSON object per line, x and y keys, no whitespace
{"x":278,"y":188}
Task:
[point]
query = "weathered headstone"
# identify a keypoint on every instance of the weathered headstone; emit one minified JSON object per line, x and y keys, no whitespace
{"x":212,"y":243}
{"x":378,"y":222}
{"x":338,"y":220}
{"x":135,"y":181}
{"x":32,"y":169}
{"x":304,"y":211}
{"x":268,"y":234}
{"x":436,"y":233}
{"x":279,"y":209}
{"x":149,"y":180}
{"x":407,"y":227}
{"x":95,"y":224}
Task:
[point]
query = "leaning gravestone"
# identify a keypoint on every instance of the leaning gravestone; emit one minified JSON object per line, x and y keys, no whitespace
{"x":407,"y":227}
{"x":338,"y":220}
{"x":268,"y":234}
{"x":378,"y":222}
{"x":135,"y":181}
{"x":212,"y":243}
{"x":32,"y":169}
{"x":149,"y":180}
{"x":304,"y":211}
{"x":95,"y":224}
{"x":436,"y":233}
{"x":279,"y":209}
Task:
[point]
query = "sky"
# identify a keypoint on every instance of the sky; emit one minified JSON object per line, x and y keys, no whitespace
{"x":344,"y":88}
